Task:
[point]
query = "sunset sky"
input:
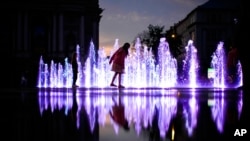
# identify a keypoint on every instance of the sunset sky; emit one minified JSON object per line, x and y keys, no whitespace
{"x":124,"y":19}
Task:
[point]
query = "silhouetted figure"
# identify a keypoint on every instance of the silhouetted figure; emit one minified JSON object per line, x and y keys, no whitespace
{"x":118,"y":114}
{"x":74,"y":64}
{"x":118,"y":66}
{"x":232,"y":61}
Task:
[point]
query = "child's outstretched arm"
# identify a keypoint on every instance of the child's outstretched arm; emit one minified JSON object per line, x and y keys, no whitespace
{"x":111,"y":59}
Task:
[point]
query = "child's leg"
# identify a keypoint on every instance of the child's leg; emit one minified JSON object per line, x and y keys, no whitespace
{"x":113,"y":79}
{"x":120,"y":80}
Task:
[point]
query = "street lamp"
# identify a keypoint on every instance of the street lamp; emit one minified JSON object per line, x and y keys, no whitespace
{"x":173,"y":35}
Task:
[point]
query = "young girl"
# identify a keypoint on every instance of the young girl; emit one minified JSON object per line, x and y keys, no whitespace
{"x":118,"y":59}
{"x":118,"y":113}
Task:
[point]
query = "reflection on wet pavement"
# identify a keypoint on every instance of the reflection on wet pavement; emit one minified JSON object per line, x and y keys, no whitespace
{"x":159,"y":114}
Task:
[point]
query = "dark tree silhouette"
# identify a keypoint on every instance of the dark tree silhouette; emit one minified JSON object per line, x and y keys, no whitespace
{"x":151,"y":38}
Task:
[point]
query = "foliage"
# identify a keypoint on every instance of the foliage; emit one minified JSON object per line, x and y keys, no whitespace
{"x":175,"y":44}
{"x":151,"y":37}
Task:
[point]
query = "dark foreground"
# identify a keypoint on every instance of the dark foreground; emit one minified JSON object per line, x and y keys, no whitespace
{"x":153,"y":114}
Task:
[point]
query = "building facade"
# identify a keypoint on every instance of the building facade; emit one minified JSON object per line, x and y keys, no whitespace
{"x":47,"y":28}
{"x":207,"y":25}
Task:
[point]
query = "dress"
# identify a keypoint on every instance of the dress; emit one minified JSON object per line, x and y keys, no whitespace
{"x":118,"y":114}
{"x":118,"y":59}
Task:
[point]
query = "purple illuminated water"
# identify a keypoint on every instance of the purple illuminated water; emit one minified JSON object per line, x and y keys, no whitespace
{"x":191,"y":65}
{"x":218,"y":65}
{"x":141,"y":71}
{"x":140,"y":110}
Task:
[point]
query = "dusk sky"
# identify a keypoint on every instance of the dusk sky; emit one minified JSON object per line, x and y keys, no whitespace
{"x":124,"y":19}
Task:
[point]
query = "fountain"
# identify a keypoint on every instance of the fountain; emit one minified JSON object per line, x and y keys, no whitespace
{"x":141,"y":71}
{"x":218,"y":73}
{"x":190,"y":67}
{"x":218,"y":64}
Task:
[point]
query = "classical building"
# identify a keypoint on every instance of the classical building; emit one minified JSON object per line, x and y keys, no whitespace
{"x":207,"y":25}
{"x":48,"y":28}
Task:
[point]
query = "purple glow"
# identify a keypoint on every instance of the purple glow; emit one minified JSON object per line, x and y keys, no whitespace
{"x":55,"y":100}
{"x":141,"y":67}
{"x":240,"y":74}
{"x":139,"y":109}
{"x":167,"y":110}
{"x":191,"y":65}
{"x":218,"y":63}
{"x":191,"y":115}
{"x":240,"y":105}
{"x":218,"y":113}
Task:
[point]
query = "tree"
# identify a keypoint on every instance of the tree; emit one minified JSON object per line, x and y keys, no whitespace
{"x":151,"y":38}
{"x":176,"y":48}
{"x":175,"y":43}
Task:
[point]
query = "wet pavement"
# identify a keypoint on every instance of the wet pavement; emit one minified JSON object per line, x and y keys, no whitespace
{"x":81,"y":114}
